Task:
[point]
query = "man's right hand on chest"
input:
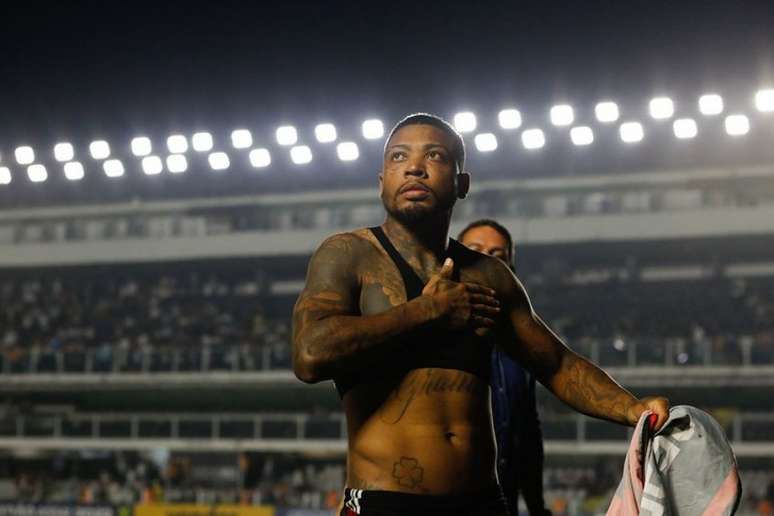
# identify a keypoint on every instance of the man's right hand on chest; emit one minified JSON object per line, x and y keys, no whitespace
{"x":458,"y":305}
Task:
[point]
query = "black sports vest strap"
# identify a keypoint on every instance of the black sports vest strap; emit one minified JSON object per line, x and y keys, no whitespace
{"x":411,"y":280}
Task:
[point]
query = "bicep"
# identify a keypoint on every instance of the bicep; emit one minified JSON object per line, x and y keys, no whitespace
{"x":331,"y":283}
{"x":528,"y":339}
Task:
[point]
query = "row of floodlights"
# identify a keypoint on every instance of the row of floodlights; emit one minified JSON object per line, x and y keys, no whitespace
{"x":660,"y":108}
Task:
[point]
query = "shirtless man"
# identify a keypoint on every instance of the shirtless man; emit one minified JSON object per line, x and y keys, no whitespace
{"x":404,"y":320}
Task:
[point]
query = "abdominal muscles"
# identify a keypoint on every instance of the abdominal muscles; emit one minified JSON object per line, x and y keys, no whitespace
{"x":428,"y":432}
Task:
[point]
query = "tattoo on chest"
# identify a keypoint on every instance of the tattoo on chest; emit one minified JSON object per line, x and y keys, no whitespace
{"x":407,"y":472}
{"x":425,"y":383}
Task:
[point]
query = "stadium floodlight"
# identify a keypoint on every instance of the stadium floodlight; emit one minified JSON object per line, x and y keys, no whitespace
{"x":64,"y":152}
{"x":73,"y":170}
{"x":737,"y":125}
{"x":201,"y":142}
{"x":141,"y":146}
{"x":113,"y":168}
{"x":533,"y":139}
{"x":465,"y":122}
{"x":373,"y":129}
{"x":5,"y":175}
{"x":260,"y":158}
{"x":485,"y":142}
{"x":152,"y":165}
{"x":710,"y":104}
{"x":219,"y":161}
{"x":24,"y":155}
{"x":287,"y":135}
{"x":301,"y":154}
{"x":177,"y":144}
{"x":37,"y":173}
{"x":764,"y":101}
{"x":241,"y":138}
{"x":661,"y":108}
{"x":176,"y":163}
{"x":509,"y":118}
{"x":347,"y":151}
{"x":685,"y":128}
{"x":99,"y":149}
{"x":325,"y":133}
{"x":582,"y":135}
{"x":562,"y":115}
{"x":631,"y":132}
{"x":607,"y":112}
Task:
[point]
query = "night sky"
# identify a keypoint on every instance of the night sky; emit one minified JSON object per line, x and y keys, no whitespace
{"x":79,"y":69}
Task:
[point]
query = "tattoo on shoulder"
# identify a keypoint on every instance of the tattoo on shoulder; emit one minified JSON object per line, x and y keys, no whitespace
{"x":407,"y":472}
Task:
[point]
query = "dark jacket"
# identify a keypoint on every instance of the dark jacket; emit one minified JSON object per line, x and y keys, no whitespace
{"x":517,"y":429}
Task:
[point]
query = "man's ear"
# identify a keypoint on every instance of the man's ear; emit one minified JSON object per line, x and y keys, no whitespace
{"x":463,"y":185}
{"x":381,"y":184}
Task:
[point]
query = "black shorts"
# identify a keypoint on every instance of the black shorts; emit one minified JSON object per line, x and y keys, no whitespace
{"x":392,"y":503}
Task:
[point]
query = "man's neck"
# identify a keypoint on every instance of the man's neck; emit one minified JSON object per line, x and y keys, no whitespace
{"x":426,"y":241}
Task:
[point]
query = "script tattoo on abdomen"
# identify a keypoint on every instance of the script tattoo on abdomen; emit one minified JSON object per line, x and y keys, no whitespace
{"x":419,"y":384}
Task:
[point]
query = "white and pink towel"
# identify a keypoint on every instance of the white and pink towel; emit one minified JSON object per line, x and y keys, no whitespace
{"x":689,"y":469}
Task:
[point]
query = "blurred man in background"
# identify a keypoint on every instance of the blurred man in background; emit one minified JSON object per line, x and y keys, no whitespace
{"x":514,"y":407}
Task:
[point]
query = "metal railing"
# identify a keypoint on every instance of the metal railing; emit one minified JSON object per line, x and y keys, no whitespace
{"x":642,"y":352}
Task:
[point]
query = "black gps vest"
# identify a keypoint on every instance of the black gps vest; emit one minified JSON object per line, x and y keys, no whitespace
{"x":427,"y":347}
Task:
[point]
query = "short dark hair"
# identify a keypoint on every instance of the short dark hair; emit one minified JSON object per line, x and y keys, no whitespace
{"x":458,"y":151}
{"x":494,"y":225}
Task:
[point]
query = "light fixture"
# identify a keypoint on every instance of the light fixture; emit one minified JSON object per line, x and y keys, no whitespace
{"x":141,"y":146}
{"x":201,"y":142}
{"x":737,"y":125}
{"x":99,"y":149}
{"x":24,"y":155}
{"x":152,"y":165}
{"x":241,"y":138}
{"x":113,"y":168}
{"x":485,"y":142}
{"x":509,"y":118}
{"x":37,"y":173}
{"x":710,"y":104}
{"x":764,"y":100}
{"x":347,"y":151}
{"x":177,"y":144}
{"x":465,"y":122}
{"x":287,"y":135}
{"x":582,"y":135}
{"x":661,"y":108}
{"x":607,"y":111}
{"x":685,"y":128}
{"x":325,"y":133}
{"x":373,"y":129}
{"x":260,"y":158}
{"x":219,"y":161}
{"x":301,"y":154}
{"x":176,"y":163}
{"x":5,"y":175}
{"x":533,"y":139}
{"x":73,"y":171}
{"x":631,"y":132}
{"x":64,"y":152}
{"x":562,"y":115}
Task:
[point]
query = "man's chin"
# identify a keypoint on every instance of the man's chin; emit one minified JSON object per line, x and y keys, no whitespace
{"x":414,"y":214}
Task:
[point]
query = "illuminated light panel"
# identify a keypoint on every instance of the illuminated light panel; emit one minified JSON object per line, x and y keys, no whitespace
{"x":533,"y":139}
{"x":711,"y":104}
{"x":260,"y":158}
{"x":562,"y":115}
{"x":485,"y":142}
{"x":661,"y":108}
{"x":219,"y":161}
{"x":73,"y":171}
{"x":141,"y":146}
{"x":37,"y":173}
{"x":152,"y":165}
{"x":347,"y":151}
{"x":176,"y":163}
{"x":201,"y":142}
{"x":373,"y":129}
{"x":685,"y":128}
{"x":764,"y":101}
{"x":737,"y":125}
{"x":287,"y":135}
{"x":325,"y":133}
{"x":113,"y":168}
{"x":24,"y":155}
{"x":64,"y":152}
{"x":5,"y":175}
{"x":177,"y":144}
{"x":465,"y":122}
{"x":631,"y":132}
{"x":582,"y":135}
{"x":607,"y":112}
{"x":99,"y":149}
{"x":241,"y":138}
{"x":301,"y":154}
{"x":509,"y":118}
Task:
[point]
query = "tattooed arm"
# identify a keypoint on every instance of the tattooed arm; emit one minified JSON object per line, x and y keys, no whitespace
{"x":571,"y":377}
{"x":331,"y":337}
